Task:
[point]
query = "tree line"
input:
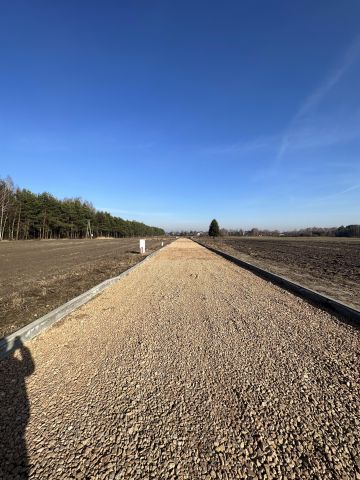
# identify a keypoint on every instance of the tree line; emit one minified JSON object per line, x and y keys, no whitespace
{"x":26,"y":215}
{"x":348,"y":231}
{"x":215,"y":231}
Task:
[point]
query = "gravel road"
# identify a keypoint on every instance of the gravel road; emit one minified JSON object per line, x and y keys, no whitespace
{"x":189,"y":368}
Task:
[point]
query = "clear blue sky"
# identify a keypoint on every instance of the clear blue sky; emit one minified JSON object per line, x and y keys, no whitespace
{"x":175,"y":112}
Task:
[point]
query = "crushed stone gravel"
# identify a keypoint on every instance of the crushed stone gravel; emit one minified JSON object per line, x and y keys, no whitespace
{"x":188,"y":368}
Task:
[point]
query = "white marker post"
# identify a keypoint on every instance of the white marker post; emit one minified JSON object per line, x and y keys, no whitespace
{"x":142,"y":246}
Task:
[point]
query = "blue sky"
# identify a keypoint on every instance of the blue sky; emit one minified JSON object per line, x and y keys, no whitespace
{"x":175,"y":112}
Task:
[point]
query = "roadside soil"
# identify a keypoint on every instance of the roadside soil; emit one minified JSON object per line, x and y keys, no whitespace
{"x":38,"y":276}
{"x":188,"y":368}
{"x":327,"y":265}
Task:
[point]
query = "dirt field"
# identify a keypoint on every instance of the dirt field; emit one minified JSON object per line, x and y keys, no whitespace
{"x":38,"y":276}
{"x":190,"y":368}
{"x":327,"y":265}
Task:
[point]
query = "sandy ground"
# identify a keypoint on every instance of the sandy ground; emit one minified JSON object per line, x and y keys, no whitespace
{"x":189,"y":368}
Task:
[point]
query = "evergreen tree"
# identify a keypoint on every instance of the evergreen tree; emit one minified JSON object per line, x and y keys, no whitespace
{"x":214,"y":230}
{"x":26,"y":215}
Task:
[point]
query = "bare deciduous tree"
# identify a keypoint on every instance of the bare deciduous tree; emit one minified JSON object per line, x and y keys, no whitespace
{"x":6,"y":193}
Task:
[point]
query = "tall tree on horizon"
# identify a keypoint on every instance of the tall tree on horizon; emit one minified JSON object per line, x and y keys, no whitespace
{"x":214,"y":230}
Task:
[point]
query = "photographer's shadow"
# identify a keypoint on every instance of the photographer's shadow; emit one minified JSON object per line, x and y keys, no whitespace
{"x":14,"y":411}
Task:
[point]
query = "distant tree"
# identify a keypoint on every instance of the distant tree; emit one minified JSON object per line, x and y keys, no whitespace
{"x":349,"y":231}
{"x":214,"y":230}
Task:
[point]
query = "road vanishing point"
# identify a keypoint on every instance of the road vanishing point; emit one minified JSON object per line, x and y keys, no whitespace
{"x":188,"y":368}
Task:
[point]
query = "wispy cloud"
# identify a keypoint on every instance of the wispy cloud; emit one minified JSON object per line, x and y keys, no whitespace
{"x":349,"y":189}
{"x":37,"y":142}
{"x":308,"y":128}
{"x":261,"y":143}
{"x":305,"y":130}
{"x":317,"y":96}
{"x":327,"y":199}
{"x":136,"y":213}
{"x":321,"y":132}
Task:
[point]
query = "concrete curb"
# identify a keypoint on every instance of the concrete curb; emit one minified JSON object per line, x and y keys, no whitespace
{"x":319,"y":299}
{"x":9,"y":343}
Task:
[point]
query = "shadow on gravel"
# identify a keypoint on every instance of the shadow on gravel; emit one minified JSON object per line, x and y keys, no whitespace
{"x":14,"y":412}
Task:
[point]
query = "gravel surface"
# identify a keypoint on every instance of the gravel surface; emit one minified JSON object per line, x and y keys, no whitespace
{"x":189,"y":368}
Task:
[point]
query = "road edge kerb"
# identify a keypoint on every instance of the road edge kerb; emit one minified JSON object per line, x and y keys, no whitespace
{"x":317,"y":298}
{"x":26,"y":333}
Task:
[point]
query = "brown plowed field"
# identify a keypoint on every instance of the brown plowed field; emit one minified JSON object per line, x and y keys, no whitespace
{"x":38,"y":276}
{"x":328,"y":265}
